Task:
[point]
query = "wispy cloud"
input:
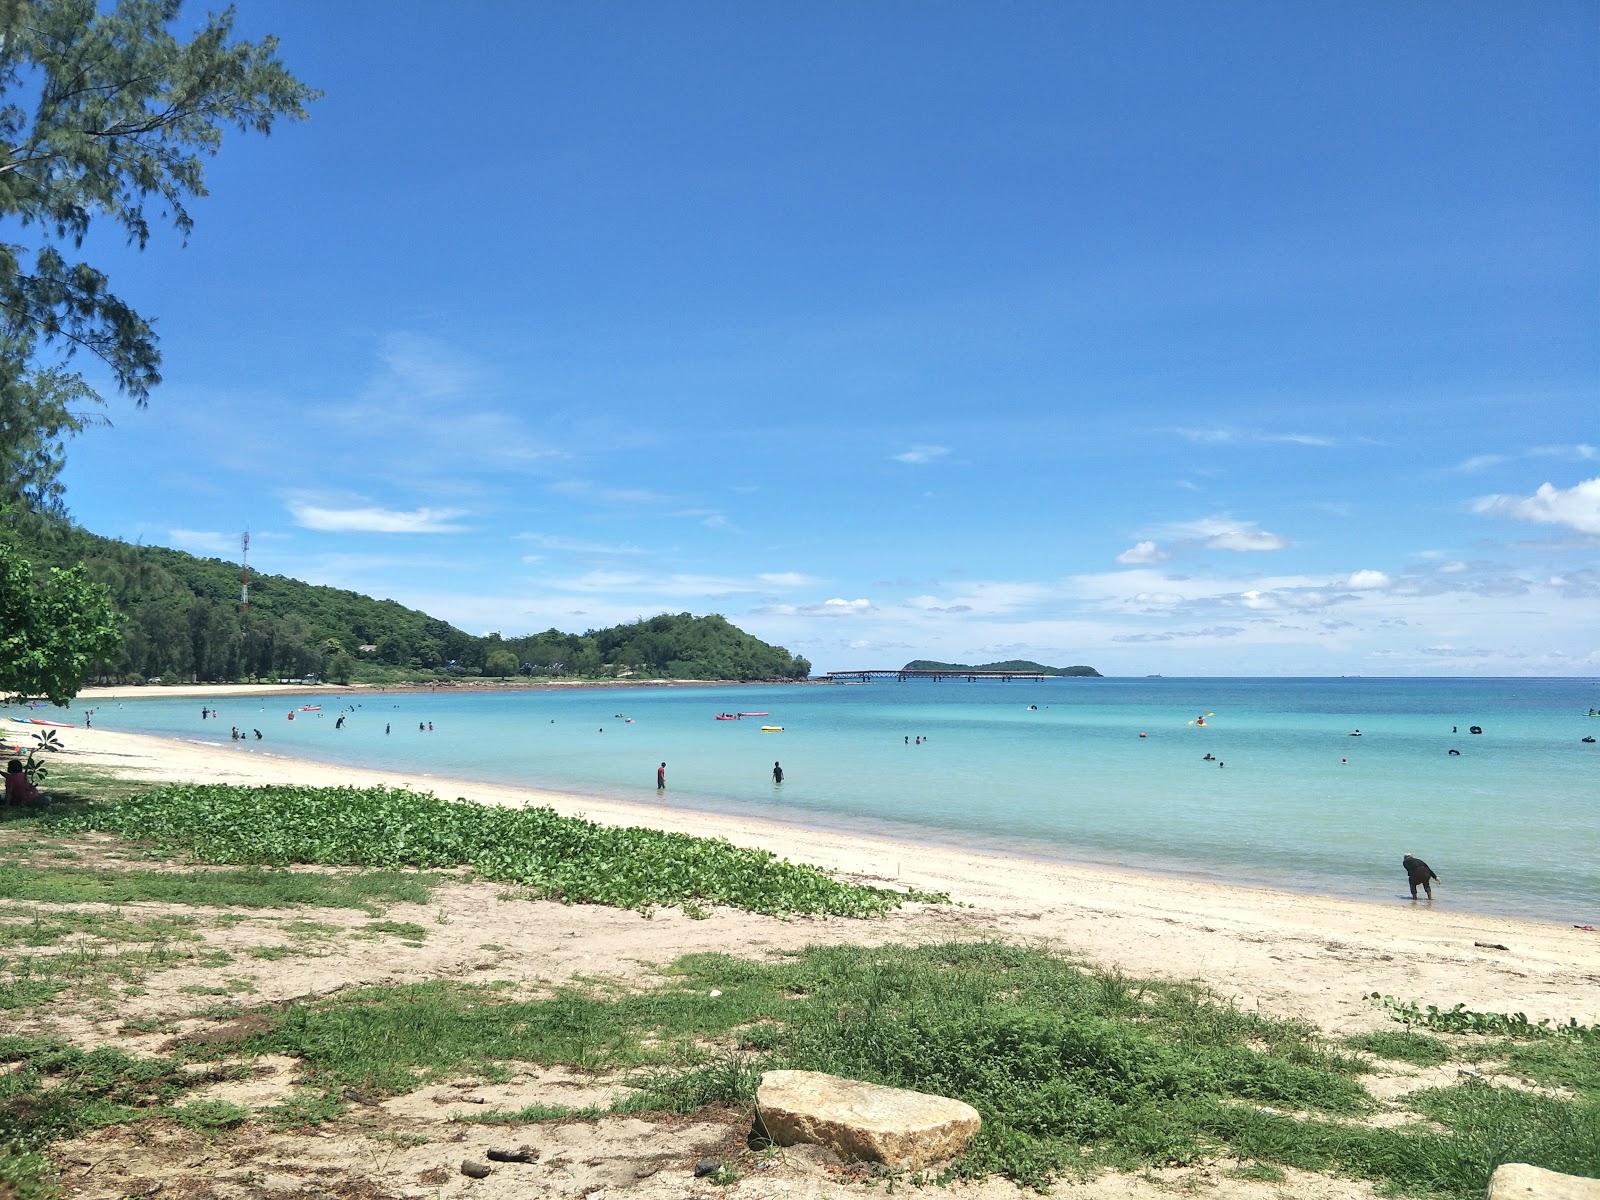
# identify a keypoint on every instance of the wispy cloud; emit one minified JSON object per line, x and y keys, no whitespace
{"x":1576,"y":452}
{"x":921,"y":454}
{"x":553,"y":541}
{"x":1222,"y":434}
{"x":788,"y":579}
{"x":370,"y":519}
{"x":583,"y":489}
{"x":1577,"y":507}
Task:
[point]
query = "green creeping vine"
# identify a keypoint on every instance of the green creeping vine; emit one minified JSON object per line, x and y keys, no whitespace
{"x":554,"y":857}
{"x":1461,"y":1019}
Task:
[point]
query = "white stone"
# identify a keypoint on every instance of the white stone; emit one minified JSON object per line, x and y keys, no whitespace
{"x":864,"y":1121}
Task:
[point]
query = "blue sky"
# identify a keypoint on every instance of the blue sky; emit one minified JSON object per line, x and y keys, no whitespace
{"x":1230,"y":338}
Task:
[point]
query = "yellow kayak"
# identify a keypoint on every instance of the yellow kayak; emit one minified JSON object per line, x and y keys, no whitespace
{"x":772,"y":729}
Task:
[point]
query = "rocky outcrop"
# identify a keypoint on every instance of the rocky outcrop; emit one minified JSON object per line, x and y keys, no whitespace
{"x":1518,"y":1181}
{"x":863,"y":1121}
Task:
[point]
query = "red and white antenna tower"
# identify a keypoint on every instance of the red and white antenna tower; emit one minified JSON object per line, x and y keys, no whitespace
{"x":244,"y":567}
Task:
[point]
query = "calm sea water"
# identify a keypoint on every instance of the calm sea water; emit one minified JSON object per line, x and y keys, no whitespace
{"x":1512,"y":824}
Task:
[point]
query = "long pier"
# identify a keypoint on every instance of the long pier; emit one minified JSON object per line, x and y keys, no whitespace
{"x":902,"y":675}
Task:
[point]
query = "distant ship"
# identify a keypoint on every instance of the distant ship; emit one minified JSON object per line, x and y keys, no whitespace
{"x":1152,"y":677}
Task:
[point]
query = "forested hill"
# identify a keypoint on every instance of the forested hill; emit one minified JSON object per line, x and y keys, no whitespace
{"x":181,"y":621}
{"x":1021,"y":666}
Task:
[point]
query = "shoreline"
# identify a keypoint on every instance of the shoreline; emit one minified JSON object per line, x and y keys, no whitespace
{"x":1307,"y":955}
{"x":182,"y":691}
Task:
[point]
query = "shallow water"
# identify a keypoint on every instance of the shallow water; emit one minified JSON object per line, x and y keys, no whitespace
{"x":1512,"y":824}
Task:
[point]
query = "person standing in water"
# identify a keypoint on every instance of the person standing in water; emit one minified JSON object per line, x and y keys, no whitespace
{"x":1419,"y":873}
{"x":777,"y":773}
{"x":661,"y":778}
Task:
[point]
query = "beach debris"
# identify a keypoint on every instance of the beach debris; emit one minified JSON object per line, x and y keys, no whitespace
{"x":522,"y":1154}
{"x":1519,"y":1181}
{"x":863,"y":1121}
{"x":1491,"y":946}
{"x":473,"y":1169}
{"x":707,"y":1166}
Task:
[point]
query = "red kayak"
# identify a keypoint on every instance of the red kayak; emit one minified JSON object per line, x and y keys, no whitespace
{"x":51,"y":724}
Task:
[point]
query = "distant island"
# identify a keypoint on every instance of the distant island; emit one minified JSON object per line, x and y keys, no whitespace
{"x":1016,"y":665}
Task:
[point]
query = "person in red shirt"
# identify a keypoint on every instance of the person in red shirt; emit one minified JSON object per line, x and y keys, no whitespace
{"x":20,"y":790}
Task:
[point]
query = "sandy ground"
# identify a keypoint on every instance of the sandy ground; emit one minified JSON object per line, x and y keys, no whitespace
{"x":1310,"y":957}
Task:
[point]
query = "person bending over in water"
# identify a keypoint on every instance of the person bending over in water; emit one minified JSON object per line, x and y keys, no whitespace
{"x":1420,"y":874}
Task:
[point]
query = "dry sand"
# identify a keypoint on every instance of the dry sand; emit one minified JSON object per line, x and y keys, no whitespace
{"x":1311,"y":957}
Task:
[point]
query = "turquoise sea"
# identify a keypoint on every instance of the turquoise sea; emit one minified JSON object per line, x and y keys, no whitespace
{"x":1512,"y":824}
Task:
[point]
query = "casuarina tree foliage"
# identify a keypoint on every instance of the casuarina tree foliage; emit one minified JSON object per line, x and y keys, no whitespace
{"x":105,"y":116}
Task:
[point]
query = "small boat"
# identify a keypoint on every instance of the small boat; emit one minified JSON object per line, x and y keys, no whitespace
{"x":772,"y":729}
{"x":760,"y":714}
{"x":724,"y":717}
{"x":51,"y":724}
{"x":311,"y":708}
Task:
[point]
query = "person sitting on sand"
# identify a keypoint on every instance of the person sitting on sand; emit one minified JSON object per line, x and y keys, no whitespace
{"x":20,"y":790}
{"x":1419,"y":872}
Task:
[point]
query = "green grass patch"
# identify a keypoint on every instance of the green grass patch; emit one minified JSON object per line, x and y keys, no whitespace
{"x":562,"y":858}
{"x":90,"y":970}
{"x":48,"y":928}
{"x":312,"y":929}
{"x":51,"y":1090}
{"x":1417,"y":1048}
{"x":367,"y":891}
{"x":406,"y":930}
{"x":1074,"y":1070}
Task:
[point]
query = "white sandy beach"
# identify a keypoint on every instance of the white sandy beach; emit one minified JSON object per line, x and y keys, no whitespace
{"x":1313,"y":957}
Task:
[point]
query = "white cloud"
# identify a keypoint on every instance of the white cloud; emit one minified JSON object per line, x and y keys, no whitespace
{"x":1577,"y":507}
{"x":1246,"y":541}
{"x":1453,"y":567}
{"x":921,"y":454}
{"x":1143,"y":552}
{"x":375,"y":520}
{"x":1224,"y":533}
{"x":828,"y":608}
{"x":1366,"y":581}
